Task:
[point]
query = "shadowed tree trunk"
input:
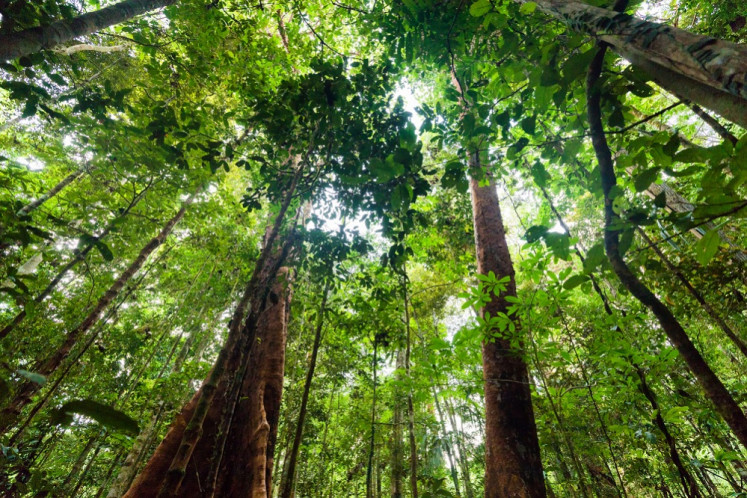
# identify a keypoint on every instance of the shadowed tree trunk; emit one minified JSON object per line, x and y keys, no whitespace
{"x":397,"y":450}
{"x":26,"y":390}
{"x":512,"y":455}
{"x":410,"y":407}
{"x":30,"y":41}
{"x":447,"y":444}
{"x":714,"y":389}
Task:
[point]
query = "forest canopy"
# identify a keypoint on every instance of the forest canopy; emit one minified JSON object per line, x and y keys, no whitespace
{"x":406,"y":248}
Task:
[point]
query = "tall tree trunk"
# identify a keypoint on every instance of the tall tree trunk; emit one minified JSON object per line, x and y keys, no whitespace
{"x":26,"y":390}
{"x":32,"y":40}
{"x":410,"y":407}
{"x":397,"y":450}
{"x":512,"y":455}
{"x":188,"y":451}
{"x":369,"y":467}
{"x":78,"y":256}
{"x":703,"y":70}
{"x":75,"y":469}
{"x":31,"y":206}
{"x":463,"y":459}
{"x":83,"y":475}
{"x":447,"y":444}
{"x":287,"y":491}
{"x":711,"y":384}
{"x":688,"y":482}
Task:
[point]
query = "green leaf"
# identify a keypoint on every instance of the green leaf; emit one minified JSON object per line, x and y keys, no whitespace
{"x":646,"y":178}
{"x":528,"y":8}
{"x":104,"y":250}
{"x":103,"y":414}
{"x":480,"y":8}
{"x":575,"y":281}
{"x":594,"y":257}
{"x":706,"y":247}
{"x":32,"y":376}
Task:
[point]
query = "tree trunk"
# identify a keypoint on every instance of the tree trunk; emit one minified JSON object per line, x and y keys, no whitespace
{"x":26,"y":390}
{"x":397,"y":451}
{"x":369,"y":468}
{"x":512,"y":455}
{"x":32,"y":40}
{"x":688,"y":482}
{"x":78,"y":256}
{"x":287,"y":491}
{"x":31,"y":206}
{"x":447,"y":444}
{"x":738,"y":342}
{"x":246,"y":380}
{"x":463,"y":460}
{"x":711,"y":384}
{"x":706,"y":71}
{"x":410,"y":407}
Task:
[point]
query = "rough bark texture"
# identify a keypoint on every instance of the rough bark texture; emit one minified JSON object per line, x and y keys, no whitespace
{"x":711,"y":384}
{"x":706,"y":71}
{"x":30,"y":41}
{"x":26,"y":390}
{"x":512,"y":454}
{"x":222,"y":442}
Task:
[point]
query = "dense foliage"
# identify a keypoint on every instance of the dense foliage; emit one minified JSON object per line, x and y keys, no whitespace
{"x":150,"y":170}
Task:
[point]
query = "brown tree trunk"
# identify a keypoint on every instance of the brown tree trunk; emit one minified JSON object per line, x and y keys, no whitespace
{"x":711,"y":384}
{"x":512,"y":455}
{"x":234,"y":412}
{"x":287,"y":491}
{"x":30,"y":41}
{"x":369,"y":467}
{"x":706,"y":71}
{"x":26,"y":390}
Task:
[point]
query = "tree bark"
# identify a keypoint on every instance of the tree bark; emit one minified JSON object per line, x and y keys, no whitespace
{"x":512,"y":454}
{"x":30,"y":41}
{"x":369,"y":467}
{"x":287,"y":491}
{"x":26,"y":390}
{"x":397,"y":449}
{"x":447,"y":444}
{"x":703,"y":70}
{"x":711,"y":384}
{"x":246,"y":372}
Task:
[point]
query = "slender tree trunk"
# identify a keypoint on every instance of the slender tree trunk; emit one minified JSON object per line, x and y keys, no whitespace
{"x":105,"y":483}
{"x":712,"y":385}
{"x":463,"y":460}
{"x":369,"y":468}
{"x":287,"y":491}
{"x":78,"y":256}
{"x":410,"y":407}
{"x":30,"y":41}
{"x":738,"y":342}
{"x":75,"y":469}
{"x":703,"y":70}
{"x":89,"y":465}
{"x":447,"y":444}
{"x":397,"y":450}
{"x":31,"y":206}
{"x":688,"y":482}
{"x":26,"y":390}
{"x":512,"y":455}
